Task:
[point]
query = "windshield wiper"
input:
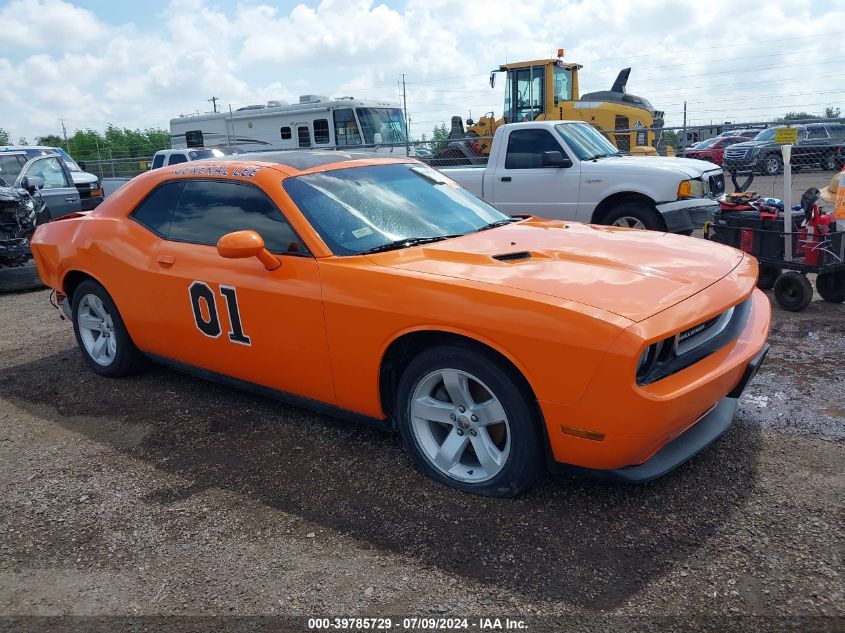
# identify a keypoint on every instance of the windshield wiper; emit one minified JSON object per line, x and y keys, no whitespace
{"x":405,"y":243}
{"x":493,"y":225}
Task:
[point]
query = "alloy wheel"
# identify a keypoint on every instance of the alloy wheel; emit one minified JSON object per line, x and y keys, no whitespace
{"x":460,"y":425}
{"x":628,"y":222}
{"x":96,"y":329}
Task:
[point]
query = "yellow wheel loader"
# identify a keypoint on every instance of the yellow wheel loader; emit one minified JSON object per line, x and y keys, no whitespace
{"x":547,"y":89}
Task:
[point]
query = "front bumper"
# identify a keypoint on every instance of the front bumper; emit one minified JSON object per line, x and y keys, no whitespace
{"x":687,"y":215}
{"x":749,"y":163}
{"x":698,"y":437}
{"x":90,"y":202}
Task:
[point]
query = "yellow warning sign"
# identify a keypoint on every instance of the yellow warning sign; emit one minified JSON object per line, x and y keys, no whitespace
{"x":786,"y":135}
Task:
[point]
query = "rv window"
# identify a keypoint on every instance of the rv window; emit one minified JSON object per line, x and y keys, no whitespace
{"x":321,"y":131}
{"x":285,"y":132}
{"x":345,"y":128}
{"x":304,"y":136}
{"x":193,"y":138}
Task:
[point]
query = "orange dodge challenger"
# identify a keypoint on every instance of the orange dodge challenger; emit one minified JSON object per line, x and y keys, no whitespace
{"x":379,"y":290}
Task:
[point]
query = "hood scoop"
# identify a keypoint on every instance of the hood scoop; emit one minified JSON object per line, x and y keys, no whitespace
{"x":513,"y":257}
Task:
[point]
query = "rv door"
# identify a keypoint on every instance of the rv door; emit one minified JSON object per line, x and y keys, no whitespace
{"x":303,"y":135}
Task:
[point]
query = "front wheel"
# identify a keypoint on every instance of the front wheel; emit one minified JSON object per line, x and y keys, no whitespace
{"x":772,"y":165}
{"x":100,"y":333}
{"x":468,"y":423}
{"x":635,"y":215}
{"x":831,"y":286}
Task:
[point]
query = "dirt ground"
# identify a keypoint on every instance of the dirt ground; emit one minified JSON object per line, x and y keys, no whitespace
{"x":162,"y":495}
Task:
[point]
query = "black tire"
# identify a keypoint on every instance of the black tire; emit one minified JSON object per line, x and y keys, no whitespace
{"x":20,"y":278}
{"x":793,"y":291}
{"x":127,"y":359}
{"x":831,"y":286}
{"x":646,"y":214}
{"x":768,"y":277}
{"x":525,"y":460}
{"x":772,"y":165}
{"x":829,"y":162}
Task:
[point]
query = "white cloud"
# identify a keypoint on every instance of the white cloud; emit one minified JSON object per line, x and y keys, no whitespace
{"x":65,"y":61}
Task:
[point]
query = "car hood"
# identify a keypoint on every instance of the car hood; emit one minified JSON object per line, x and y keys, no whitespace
{"x":746,"y":144}
{"x":634,"y":274}
{"x":688,"y":166}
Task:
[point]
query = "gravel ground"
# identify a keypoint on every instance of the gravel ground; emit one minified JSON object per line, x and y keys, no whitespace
{"x":165,"y":495}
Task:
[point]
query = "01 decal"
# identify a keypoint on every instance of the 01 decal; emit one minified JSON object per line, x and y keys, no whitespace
{"x":208,"y":320}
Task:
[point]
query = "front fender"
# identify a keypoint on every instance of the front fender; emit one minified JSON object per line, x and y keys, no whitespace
{"x":687,"y":215}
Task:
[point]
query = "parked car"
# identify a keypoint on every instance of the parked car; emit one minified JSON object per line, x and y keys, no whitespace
{"x":569,"y":171}
{"x":45,"y":176}
{"x":165,"y":157}
{"x":840,"y":156}
{"x":748,"y":133}
{"x":713,"y":149}
{"x":816,"y":147}
{"x":378,"y":290}
{"x":89,"y":186}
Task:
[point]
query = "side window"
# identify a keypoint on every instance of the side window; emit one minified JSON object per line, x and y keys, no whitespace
{"x":816,"y":132}
{"x":321,"y":131}
{"x":345,"y":128}
{"x":50,"y":169}
{"x":158,"y":161}
{"x":304,"y":136}
{"x":285,"y":133}
{"x":156,"y":211}
{"x":193,"y":138}
{"x":526,"y":147}
{"x":175,"y":159}
{"x":208,"y":209}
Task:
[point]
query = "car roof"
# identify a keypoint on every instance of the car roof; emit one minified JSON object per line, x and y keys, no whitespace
{"x":302,"y":160}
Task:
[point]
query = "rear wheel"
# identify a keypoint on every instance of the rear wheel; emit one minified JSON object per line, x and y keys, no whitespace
{"x":100,"y":333}
{"x":831,"y":286}
{"x":467,"y":422}
{"x":793,"y":291}
{"x":635,"y":215}
{"x":829,"y":162}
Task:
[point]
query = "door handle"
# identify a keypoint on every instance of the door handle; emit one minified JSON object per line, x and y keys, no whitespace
{"x":70,"y":199}
{"x":165,"y":261}
{"x":505,"y":178}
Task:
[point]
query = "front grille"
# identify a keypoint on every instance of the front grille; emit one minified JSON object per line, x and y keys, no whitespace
{"x":717,"y":185}
{"x":736,"y":154}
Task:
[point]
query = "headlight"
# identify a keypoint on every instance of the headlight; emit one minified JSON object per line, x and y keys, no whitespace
{"x":690,"y":189}
{"x":95,"y":185}
{"x":29,"y":205}
{"x":754,"y":151}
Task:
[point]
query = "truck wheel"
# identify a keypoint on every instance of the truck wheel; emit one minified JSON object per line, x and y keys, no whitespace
{"x":635,"y":215}
{"x":772,"y":165}
{"x":829,"y":162}
{"x":100,"y":333}
{"x":831,"y":286}
{"x":468,"y":423}
{"x":768,"y":276}
{"x":793,"y":291}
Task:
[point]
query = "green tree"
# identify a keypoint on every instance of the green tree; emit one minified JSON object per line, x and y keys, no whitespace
{"x":832,"y":113}
{"x":4,"y":137}
{"x":22,"y":141}
{"x":439,"y":138}
{"x":50,"y":140}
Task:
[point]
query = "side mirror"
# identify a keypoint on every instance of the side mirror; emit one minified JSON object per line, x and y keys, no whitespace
{"x":82,"y":165}
{"x":32,"y":183}
{"x":377,"y":139}
{"x":555,"y":159}
{"x":244,"y":244}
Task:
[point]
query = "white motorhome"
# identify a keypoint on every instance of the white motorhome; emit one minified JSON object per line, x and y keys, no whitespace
{"x":315,"y":121}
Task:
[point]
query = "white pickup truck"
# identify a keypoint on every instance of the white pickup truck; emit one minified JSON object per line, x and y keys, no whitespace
{"x":567,"y":170}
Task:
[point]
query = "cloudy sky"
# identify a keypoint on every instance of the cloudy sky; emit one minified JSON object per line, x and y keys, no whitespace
{"x":137,"y":64}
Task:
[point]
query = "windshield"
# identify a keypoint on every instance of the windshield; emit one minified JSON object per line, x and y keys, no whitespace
{"x":710,"y":142}
{"x":563,"y":84}
{"x":71,"y":164}
{"x":10,"y":167}
{"x":586,"y":141}
{"x":361,"y":208}
{"x":388,"y":122}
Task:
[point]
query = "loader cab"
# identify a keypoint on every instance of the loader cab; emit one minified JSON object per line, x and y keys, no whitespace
{"x":537,"y":90}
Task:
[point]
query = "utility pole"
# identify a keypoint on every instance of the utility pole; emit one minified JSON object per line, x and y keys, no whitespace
{"x":64,"y":132}
{"x":405,"y":112}
{"x":685,"y":125}
{"x":213,"y":101}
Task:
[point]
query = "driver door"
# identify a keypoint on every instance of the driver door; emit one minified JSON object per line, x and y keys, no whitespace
{"x":59,"y":193}
{"x":234,"y":317}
